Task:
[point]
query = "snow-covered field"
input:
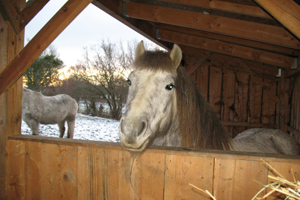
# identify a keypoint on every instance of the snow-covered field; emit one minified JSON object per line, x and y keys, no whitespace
{"x":86,"y":128}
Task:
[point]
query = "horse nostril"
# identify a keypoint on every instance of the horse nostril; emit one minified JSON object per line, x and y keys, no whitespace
{"x":142,"y":128}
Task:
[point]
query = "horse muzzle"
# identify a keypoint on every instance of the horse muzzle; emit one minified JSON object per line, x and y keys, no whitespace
{"x":133,"y":134}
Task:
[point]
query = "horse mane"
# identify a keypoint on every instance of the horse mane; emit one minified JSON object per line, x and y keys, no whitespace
{"x":198,"y":123}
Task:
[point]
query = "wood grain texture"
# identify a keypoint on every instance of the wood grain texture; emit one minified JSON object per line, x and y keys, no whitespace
{"x":227,"y":48}
{"x":215,"y":89}
{"x":182,"y":170}
{"x":16,"y":170}
{"x":285,"y":11}
{"x":228,"y":94}
{"x":255,"y":104}
{"x":10,"y":104}
{"x":59,"y":173}
{"x":40,"y":170}
{"x":230,"y":39}
{"x":148,"y":169}
{"x":233,"y":27}
{"x":268,"y":103}
{"x":91,"y":173}
{"x":226,"y":6}
{"x":32,"y":170}
{"x":202,"y":80}
{"x":241,"y":100}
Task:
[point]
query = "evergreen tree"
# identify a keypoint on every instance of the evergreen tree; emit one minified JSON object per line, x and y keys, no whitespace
{"x":43,"y":73}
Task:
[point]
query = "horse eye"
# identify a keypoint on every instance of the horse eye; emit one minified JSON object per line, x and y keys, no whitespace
{"x":129,"y":82}
{"x":170,"y":86}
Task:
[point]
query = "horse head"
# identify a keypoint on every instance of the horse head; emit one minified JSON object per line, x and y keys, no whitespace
{"x":151,"y":101}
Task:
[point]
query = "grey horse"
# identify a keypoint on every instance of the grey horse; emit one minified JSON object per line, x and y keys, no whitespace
{"x":37,"y":108}
{"x":165,"y":107}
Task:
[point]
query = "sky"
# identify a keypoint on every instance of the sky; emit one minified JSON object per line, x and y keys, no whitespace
{"x":89,"y":27}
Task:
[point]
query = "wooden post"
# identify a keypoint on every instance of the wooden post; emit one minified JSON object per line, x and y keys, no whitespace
{"x":10,"y":101}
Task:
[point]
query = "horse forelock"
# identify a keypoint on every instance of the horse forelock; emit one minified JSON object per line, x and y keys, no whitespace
{"x":199,"y":125}
{"x":155,"y":60}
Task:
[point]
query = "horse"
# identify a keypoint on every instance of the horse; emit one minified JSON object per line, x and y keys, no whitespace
{"x":37,"y":108}
{"x":166,"y":108}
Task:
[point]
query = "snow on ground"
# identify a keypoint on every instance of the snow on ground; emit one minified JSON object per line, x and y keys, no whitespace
{"x":86,"y":128}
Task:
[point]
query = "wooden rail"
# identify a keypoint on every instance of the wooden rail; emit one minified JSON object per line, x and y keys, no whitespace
{"x":40,"y":167}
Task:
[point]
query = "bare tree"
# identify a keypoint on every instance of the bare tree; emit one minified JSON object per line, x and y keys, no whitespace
{"x":104,"y":71}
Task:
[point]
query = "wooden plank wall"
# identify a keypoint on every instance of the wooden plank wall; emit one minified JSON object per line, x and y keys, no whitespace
{"x":295,"y":111}
{"x":43,"y":168}
{"x":237,"y":95}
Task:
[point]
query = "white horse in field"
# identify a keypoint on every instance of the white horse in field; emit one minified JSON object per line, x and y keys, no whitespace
{"x":37,"y":108}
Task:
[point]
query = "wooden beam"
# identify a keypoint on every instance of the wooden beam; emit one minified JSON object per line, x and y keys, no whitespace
{"x":227,"y":49}
{"x":41,"y":41}
{"x":287,"y":12}
{"x":233,"y":63}
{"x":17,"y":19}
{"x":233,"y":27}
{"x":12,"y":14}
{"x":230,"y":39}
{"x":31,"y":9}
{"x":242,"y":9}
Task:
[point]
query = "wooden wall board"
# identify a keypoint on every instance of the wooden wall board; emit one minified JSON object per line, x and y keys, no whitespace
{"x":32,"y":170}
{"x":228,"y":93}
{"x":118,"y":167}
{"x":37,"y":168}
{"x":182,"y":170}
{"x":241,"y":99}
{"x":59,"y":171}
{"x":295,"y":111}
{"x":215,"y":89}
{"x":268,"y":103}
{"x":16,"y":170}
{"x":255,"y":100}
{"x":149,"y":169}
{"x":283,"y":94}
{"x":202,"y":80}
{"x":246,"y":175}
{"x":91,"y":173}
{"x":231,"y":176}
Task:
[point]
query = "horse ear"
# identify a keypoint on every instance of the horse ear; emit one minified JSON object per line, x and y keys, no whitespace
{"x":140,"y":49}
{"x":176,"y":55}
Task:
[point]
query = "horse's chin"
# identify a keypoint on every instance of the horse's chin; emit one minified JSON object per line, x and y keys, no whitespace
{"x":141,"y":148}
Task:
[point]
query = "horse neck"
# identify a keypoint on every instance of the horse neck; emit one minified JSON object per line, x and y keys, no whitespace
{"x":172,"y":137}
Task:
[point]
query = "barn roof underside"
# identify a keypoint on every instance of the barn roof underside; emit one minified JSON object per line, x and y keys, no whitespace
{"x":254,"y":35}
